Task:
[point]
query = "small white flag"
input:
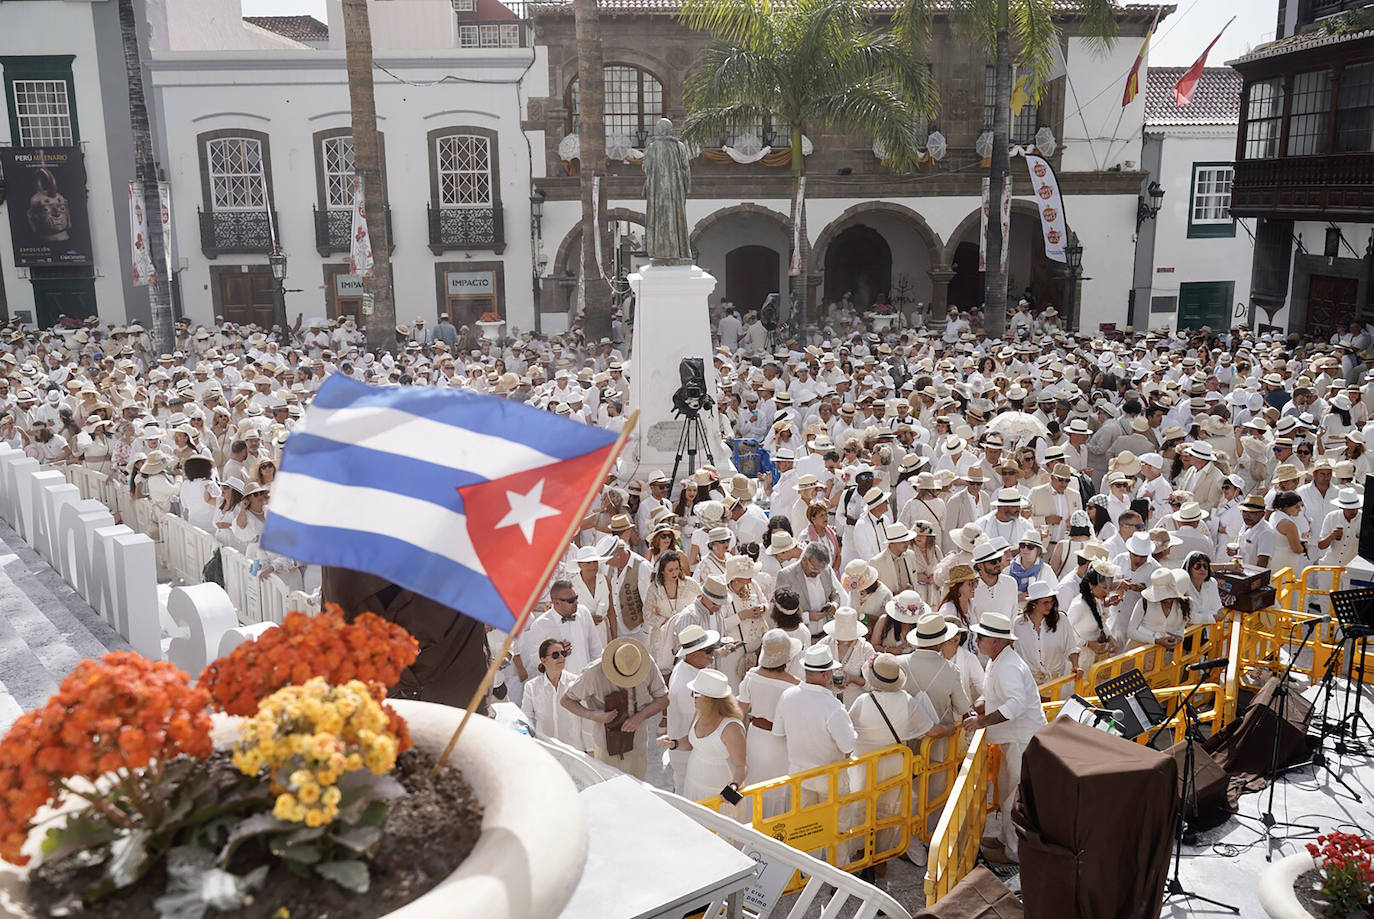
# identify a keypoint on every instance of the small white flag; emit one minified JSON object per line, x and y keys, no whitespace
{"x":360,"y":245}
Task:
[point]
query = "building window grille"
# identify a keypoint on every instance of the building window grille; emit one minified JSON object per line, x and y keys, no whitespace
{"x":237,"y":181}
{"x":43,"y":112}
{"x":464,"y":167}
{"x":1263,"y":117}
{"x":1311,"y":106}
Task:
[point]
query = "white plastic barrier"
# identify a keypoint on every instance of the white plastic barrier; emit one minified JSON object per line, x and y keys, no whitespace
{"x":187,"y":549}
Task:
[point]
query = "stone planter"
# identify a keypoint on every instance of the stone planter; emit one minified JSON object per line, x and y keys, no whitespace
{"x":533,"y":846}
{"x":491,"y":331}
{"x":1276,"y":887}
{"x":880,"y":322}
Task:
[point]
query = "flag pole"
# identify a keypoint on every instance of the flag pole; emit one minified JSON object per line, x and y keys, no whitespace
{"x":539,"y":585}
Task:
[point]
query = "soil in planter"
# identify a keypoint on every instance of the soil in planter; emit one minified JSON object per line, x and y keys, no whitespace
{"x":427,"y":835}
{"x":1308,"y":888}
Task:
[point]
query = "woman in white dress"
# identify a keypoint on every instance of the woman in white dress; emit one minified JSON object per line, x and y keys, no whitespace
{"x":1045,"y":640}
{"x":926,"y":549}
{"x":759,"y":692}
{"x":743,"y":616}
{"x":844,"y":633}
{"x":669,"y":594}
{"x":200,"y":494}
{"x":958,"y":604}
{"x":542,"y":702}
{"x":1093,"y":615}
{"x":1162,"y":614}
{"x":785,"y":616}
{"x":592,"y":589}
{"x":1204,"y":599}
{"x":715,"y":742}
{"x":1065,"y":552}
{"x":1293,"y":535}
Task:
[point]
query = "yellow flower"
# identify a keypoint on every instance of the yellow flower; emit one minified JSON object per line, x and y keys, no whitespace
{"x":308,"y":793}
{"x":317,"y":818}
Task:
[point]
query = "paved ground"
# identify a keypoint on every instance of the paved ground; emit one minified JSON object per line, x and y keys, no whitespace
{"x":45,"y":629}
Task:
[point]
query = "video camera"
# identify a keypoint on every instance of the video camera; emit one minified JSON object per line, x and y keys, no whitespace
{"x":692,"y":396}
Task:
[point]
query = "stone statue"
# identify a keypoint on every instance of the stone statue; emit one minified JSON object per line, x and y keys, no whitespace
{"x":667,"y":179}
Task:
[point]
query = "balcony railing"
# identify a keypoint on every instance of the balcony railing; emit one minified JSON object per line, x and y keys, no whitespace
{"x":232,"y":232}
{"x":334,"y":230}
{"x":1337,"y":185}
{"x":466,"y":228}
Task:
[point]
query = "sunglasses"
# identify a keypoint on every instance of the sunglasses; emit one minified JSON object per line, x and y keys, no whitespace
{"x":555,"y":655}
{"x":1303,"y":452}
{"x":564,"y":599}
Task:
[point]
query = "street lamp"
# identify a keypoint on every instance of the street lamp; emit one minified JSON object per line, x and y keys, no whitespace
{"x":1073,"y":268}
{"x":1148,"y":209}
{"x":536,"y":238}
{"x":277,"y":260}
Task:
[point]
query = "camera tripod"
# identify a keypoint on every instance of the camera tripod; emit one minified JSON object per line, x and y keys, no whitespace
{"x":692,"y":440}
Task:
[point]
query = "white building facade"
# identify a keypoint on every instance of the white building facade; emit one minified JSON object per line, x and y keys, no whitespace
{"x":257,"y":145}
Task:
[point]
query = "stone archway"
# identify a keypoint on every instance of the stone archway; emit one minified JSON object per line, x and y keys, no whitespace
{"x":1027,"y":266}
{"x":746,"y":247}
{"x":915,"y":256}
{"x":572,"y":242}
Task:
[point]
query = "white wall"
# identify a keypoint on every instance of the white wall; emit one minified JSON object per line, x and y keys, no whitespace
{"x":1193,"y":259}
{"x":182,"y":25}
{"x":1098,"y":132}
{"x":291,"y":95}
{"x":34,"y":27}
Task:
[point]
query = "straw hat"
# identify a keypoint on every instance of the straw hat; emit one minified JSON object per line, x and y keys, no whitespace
{"x":858,"y":575}
{"x":711,"y":683}
{"x":625,"y":662}
{"x":994,"y":625}
{"x":932,"y":630}
{"x":714,"y":590}
{"x":818,"y":658}
{"x":781,"y":541}
{"x":960,"y":573}
{"x":845,"y":626}
{"x":884,"y":673}
{"x":740,"y":566}
{"x":1190,"y":512}
{"x":778,"y":649}
{"x":897,"y":532}
{"x":695,"y":638}
{"x":1039,"y":590}
{"x":1161,"y":586}
{"x":968,"y":536}
{"x":154,"y":463}
{"x":710,"y":511}
{"x":588,"y":555}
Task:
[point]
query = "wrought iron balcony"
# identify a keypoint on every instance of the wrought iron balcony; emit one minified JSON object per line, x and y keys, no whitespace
{"x":334,"y":230}
{"x":232,"y":232}
{"x":466,"y":228}
{"x":1337,"y":185}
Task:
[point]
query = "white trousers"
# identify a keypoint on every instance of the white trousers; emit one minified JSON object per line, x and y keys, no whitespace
{"x":1009,"y":779}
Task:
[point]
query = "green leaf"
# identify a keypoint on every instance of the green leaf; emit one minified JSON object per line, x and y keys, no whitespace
{"x":305,"y":834}
{"x":256,"y":825}
{"x":349,"y":874}
{"x":361,"y":788}
{"x":304,"y":854}
{"x":128,"y":858}
{"x":84,"y":831}
{"x":358,"y":839}
{"x":194,"y":885}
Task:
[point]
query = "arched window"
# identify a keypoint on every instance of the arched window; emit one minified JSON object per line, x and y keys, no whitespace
{"x":634,"y":101}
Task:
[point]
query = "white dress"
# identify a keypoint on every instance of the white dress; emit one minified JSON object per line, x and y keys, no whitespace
{"x":1081,"y":618}
{"x":766,"y":753}
{"x":708,"y":762}
{"x":1283,"y":556}
{"x":859,"y":652}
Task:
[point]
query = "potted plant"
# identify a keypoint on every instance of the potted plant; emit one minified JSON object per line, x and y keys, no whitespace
{"x":491,"y":325}
{"x":1333,"y":878}
{"x":282,"y":782}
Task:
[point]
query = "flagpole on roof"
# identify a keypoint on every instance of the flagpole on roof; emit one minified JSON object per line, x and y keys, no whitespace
{"x":538,"y":589}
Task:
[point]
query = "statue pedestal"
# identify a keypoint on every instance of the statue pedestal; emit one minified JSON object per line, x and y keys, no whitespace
{"x":671,"y":322}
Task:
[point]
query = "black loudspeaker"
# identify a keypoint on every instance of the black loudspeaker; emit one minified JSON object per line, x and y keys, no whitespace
{"x":1366,"y":548}
{"x":1206,"y":806}
{"x":1245,"y":748}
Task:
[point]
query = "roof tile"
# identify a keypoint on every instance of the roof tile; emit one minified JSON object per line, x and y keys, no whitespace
{"x":296,"y":28}
{"x":1216,"y":98}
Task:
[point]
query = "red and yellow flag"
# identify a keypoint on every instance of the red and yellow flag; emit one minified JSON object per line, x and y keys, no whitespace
{"x":1133,"y":78}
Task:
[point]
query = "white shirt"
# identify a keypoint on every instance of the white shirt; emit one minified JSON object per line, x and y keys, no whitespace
{"x":999,"y":598}
{"x":1009,"y":688}
{"x":584,"y":641}
{"x":817,"y":730}
{"x":911,"y":716}
{"x":1341,"y":551}
{"x":1011,"y":531}
{"x":542,"y":705}
{"x":682,"y":709}
{"x":1046,"y":651}
{"x":1256,"y":541}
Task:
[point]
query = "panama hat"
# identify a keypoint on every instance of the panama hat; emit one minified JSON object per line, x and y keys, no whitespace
{"x":154,"y":462}
{"x":1253,"y":503}
{"x":897,"y":532}
{"x":587,"y":555}
{"x":740,"y":566}
{"x":1190,"y":512}
{"x":1008,"y":497}
{"x":818,"y":658}
{"x":994,"y":625}
{"x":931,"y":631}
{"x":967,"y":537}
{"x":778,"y":649}
{"x":1200,"y":449}
{"x":625,"y":662}
{"x":989,"y":551}
{"x":875,"y":496}
{"x":1039,"y":590}
{"x":710,"y":511}
{"x":695,"y":638}
{"x":858,"y":575}
{"x":1286,"y":471}
{"x":1161,"y":587}
{"x":845,"y":626}
{"x":1140,"y":544}
{"x":718,"y":534}
{"x":907,"y":606}
{"x":710,"y":683}
{"x":621,"y":523}
{"x":1348,"y":498}
{"x":885,"y":673}
{"x":960,"y":573}
{"x":714,"y":590}
{"x":255,"y":488}
{"x":781,"y":541}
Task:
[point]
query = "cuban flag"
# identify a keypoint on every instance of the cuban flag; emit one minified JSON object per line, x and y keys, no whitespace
{"x":463,"y":498}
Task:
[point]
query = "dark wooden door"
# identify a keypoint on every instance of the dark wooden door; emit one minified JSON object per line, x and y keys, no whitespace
{"x":73,"y":298}
{"x":1330,"y":303}
{"x":246,"y":297}
{"x":751,"y":274}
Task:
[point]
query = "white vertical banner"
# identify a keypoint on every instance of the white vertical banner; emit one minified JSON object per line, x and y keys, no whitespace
{"x":164,"y":202}
{"x":1006,"y":218}
{"x":360,"y":261}
{"x":794,"y":268}
{"x":983,"y":228}
{"x":596,"y":221}
{"x":1051,"y":205}
{"x":143,"y":271}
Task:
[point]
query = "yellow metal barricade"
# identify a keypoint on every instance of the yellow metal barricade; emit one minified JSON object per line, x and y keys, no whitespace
{"x":954,"y":846}
{"x":852,"y":813}
{"x":932,"y":780}
{"x":1161,"y":667}
{"x":1209,"y":702}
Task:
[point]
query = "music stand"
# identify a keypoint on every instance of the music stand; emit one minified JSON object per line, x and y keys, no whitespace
{"x":1130,"y":695}
{"x":1354,"y":610}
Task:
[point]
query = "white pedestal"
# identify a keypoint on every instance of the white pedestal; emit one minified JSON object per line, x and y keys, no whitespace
{"x":671,"y":322}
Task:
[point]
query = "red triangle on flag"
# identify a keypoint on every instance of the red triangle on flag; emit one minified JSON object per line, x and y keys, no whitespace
{"x":519,"y":523}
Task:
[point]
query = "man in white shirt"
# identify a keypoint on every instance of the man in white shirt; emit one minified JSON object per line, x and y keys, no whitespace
{"x":1256,"y":540}
{"x":566,"y":620}
{"x":994,"y":590}
{"x":1010,"y":711}
{"x":1339,"y":537}
{"x":1192,"y":531}
{"x":696,"y":653}
{"x":730,"y":329}
{"x":870,"y":531}
{"x":1006,"y":521}
{"x":816,"y":727}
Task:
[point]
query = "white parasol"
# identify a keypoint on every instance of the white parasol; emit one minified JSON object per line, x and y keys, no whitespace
{"x":1018,"y":427}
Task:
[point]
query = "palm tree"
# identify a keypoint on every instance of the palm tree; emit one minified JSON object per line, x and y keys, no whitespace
{"x":805,"y":65}
{"x":145,"y":169}
{"x":367,"y":163}
{"x":997,"y":25}
{"x":591,"y":135}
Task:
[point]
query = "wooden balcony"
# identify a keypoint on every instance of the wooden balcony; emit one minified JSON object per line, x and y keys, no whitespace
{"x":1335,"y":186}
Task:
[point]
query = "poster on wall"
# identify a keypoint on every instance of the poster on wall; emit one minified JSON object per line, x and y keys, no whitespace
{"x":46,"y":195}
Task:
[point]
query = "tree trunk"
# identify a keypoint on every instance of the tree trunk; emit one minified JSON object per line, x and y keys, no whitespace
{"x":591,"y":135}
{"x":145,"y":170}
{"x":995,"y":278}
{"x":367,"y":163}
{"x":801,"y":280}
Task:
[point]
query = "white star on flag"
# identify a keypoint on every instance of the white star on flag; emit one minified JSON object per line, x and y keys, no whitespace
{"x":526,"y":510}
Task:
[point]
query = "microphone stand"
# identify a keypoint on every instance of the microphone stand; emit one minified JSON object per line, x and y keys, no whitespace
{"x":1324,"y":724}
{"x":1282,"y":690}
{"x":1191,"y":729}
